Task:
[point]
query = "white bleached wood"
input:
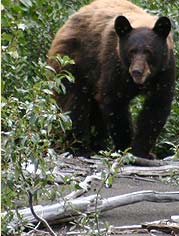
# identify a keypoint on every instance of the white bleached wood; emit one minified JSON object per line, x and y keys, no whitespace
{"x":88,"y":205}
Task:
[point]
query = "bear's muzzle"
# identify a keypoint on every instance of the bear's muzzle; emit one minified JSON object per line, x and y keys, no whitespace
{"x":139,"y":70}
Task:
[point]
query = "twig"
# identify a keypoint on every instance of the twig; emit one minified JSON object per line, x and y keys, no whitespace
{"x":135,"y":177}
{"x":30,"y":196}
{"x":38,"y":217}
{"x":36,"y":230}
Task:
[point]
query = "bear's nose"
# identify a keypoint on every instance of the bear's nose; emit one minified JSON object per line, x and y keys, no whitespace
{"x":136,"y":73}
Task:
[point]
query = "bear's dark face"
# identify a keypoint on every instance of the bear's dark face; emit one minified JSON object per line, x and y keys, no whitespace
{"x":143,"y":51}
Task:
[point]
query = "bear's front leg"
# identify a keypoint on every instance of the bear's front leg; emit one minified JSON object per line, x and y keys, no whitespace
{"x":150,"y":123}
{"x":119,"y":123}
{"x":77,"y":101}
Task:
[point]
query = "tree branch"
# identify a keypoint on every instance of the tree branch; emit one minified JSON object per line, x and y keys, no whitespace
{"x":74,"y":208}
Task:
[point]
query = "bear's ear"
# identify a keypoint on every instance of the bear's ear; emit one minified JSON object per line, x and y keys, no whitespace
{"x":122,"y":26}
{"x":162,"y":27}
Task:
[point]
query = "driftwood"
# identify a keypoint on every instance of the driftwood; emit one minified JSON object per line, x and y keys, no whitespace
{"x":86,"y":166}
{"x":90,"y":204}
{"x":165,"y":170}
{"x":123,"y":171}
{"x":67,"y":166}
{"x":160,"y":227}
{"x":166,"y":226}
{"x":145,"y":162}
{"x":73,"y":205}
{"x":112,"y":230}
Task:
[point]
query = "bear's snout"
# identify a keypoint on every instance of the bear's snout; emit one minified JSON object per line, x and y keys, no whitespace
{"x":139,"y":71}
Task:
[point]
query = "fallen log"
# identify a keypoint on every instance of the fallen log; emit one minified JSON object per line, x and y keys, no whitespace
{"x":65,"y":167}
{"x":91,"y":204}
{"x":162,"y":171}
{"x":131,"y":198}
{"x":111,"y":230}
{"x":165,"y":170}
{"x":165,"y":226}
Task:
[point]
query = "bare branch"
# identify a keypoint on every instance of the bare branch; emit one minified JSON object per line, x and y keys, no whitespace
{"x":74,"y":208}
{"x":37,"y":217}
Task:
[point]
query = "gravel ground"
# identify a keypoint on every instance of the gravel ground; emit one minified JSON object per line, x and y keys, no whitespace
{"x":140,"y":212}
{"x":137,"y":213}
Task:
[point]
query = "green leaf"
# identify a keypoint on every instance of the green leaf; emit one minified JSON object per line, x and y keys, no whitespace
{"x":26,"y":3}
{"x":109,"y":181}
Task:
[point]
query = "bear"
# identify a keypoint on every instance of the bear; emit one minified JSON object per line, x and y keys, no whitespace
{"x":120,"y":52}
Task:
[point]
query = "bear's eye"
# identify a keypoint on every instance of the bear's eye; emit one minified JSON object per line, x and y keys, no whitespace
{"x":132,"y":52}
{"x":148,"y":52}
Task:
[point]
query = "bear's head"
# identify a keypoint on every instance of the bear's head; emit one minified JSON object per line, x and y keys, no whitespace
{"x":143,"y":51}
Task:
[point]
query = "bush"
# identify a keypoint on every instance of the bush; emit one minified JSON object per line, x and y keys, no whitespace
{"x":31,"y":120}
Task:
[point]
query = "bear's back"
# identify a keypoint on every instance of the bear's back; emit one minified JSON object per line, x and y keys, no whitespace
{"x":89,"y":31}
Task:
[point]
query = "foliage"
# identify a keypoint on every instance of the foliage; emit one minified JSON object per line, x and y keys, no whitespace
{"x":30,"y":116}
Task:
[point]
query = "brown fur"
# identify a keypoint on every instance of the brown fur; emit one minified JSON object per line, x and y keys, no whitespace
{"x":89,"y":37}
{"x":99,"y":23}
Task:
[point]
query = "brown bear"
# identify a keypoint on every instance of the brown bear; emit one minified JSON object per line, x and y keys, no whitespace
{"x":120,"y":52}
